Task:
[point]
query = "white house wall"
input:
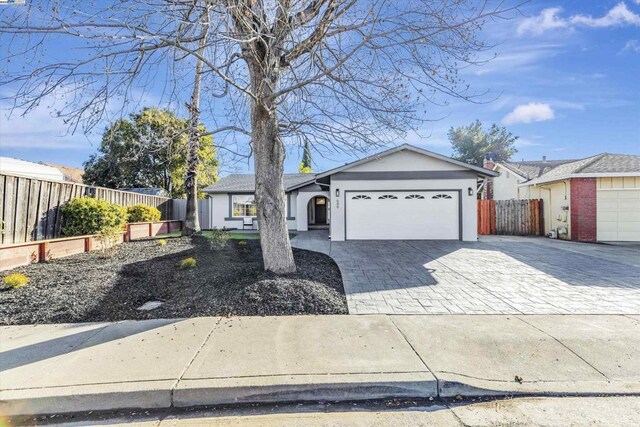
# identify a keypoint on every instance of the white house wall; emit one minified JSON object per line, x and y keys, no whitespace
{"x":556,"y":201}
{"x":405,"y":161}
{"x":505,"y":186}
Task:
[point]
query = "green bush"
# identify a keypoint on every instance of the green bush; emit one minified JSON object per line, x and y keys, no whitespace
{"x":86,"y":215}
{"x":143,"y":213}
{"x":15,"y":280}
{"x":108,"y":239}
{"x":187,"y":263}
{"x":218,"y":239}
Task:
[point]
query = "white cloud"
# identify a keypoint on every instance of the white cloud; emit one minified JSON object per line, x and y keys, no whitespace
{"x":527,"y":113}
{"x":38,"y":129}
{"x":550,"y":19}
{"x":632,"y":45}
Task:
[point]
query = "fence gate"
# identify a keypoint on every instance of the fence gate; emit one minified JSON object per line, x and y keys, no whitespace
{"x":511,"y":217}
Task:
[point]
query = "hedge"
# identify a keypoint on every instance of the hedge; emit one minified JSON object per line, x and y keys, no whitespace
{"x":86,"y":215}
{"x":143,"y":213}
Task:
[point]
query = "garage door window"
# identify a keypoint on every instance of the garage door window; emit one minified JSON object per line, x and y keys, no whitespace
{"x":414,"y":196}
{"x":387,"y":196}
{"x":441,"y":196}
{"x":361,"y":197}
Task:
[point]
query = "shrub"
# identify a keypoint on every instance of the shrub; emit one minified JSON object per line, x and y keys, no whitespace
{"x":108,"y":238}
{"x":162,"y":242}
{"x":15,"y":280}
{"x":218,"y":239}
{"x":86,"y":215}
{"x":143,"y":213}
{"x":242,"y":243}
{"x":188,"y":263}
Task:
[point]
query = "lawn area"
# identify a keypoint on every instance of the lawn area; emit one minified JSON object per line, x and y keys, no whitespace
{"x":91,"y":287}
{"x":237,"y":235}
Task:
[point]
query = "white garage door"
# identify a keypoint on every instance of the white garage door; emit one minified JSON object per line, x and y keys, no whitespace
{"x":618,"y":215}
{"x":402,"y":215}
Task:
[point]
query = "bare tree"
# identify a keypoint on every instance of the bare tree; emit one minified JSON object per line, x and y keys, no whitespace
{"x":192,"y":222}
{"x":339,"y":74}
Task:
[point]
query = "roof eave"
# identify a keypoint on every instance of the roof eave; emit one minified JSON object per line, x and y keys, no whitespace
{"x":480,"y":170}
{"x":503,"y":165}
{"x":582,"y":175}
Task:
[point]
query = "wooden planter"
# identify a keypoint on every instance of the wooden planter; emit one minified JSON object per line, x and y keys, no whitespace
{"x":17,"y":254}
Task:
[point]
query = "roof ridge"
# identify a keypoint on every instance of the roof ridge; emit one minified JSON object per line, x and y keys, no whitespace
{"x":590,"y":162}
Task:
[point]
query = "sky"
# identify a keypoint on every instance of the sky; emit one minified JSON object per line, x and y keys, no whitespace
{"x":565,"y":79}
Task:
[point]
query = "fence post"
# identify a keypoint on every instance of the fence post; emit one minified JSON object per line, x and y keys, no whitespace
{"x":150,"y":229}
{"x":43,"y":248}
{"x":88,"y":244}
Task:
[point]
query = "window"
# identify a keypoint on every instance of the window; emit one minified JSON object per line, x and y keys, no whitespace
{"x":243,"y":205}
{"x":361,"y":197}
{"x":441,"y":196}
{"x":387,"y":196}
{"x":414,"y":196}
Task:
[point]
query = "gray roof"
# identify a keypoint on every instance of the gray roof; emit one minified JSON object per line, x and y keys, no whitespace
{"x":599,"y":164}
{"x":149,"y":191}
{"x":613,"y":163}
{"x":243,"y":182}
{"x":534,"y":168}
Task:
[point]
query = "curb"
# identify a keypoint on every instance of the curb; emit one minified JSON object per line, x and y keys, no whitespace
{"x":166,"y":394}
{"x":211,"y":392}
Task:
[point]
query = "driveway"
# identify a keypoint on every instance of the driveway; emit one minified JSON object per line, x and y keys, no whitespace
{"x":498,"y":275}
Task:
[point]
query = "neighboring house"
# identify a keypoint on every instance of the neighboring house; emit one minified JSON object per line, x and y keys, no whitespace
{"x":70,"y":174}
{"x":402,"y":193}
{"x":41,"y":170}
{"x":149,"y":191}
{"x":591,"y":199}
{"x":17,"y":167}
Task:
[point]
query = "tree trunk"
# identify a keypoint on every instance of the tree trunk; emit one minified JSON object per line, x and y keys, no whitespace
{"x":191,"y":221}
{"x":269,"y":154}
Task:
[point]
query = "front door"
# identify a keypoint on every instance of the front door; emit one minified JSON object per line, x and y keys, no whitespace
{"x":321,"y":210}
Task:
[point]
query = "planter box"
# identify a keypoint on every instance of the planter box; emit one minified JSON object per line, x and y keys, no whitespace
{"x":15,"y":255}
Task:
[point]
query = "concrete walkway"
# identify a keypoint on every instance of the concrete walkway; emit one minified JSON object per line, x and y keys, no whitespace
{"x":206,"y":361}
{"x":498,"y":275}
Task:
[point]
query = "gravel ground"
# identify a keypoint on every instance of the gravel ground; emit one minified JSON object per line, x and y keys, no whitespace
{"x":231,"y":281}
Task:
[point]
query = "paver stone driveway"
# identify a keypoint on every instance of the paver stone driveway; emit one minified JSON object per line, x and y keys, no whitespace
{"x":497,"y":275}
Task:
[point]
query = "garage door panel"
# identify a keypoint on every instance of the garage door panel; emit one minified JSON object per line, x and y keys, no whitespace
{"x":402,"y":215}
{"x":618,"y":215}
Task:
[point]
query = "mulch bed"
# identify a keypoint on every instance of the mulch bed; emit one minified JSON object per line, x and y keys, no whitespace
{"x":231,"y":281}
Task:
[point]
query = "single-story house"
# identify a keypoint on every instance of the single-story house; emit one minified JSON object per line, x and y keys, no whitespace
{"x":592,"y":199}
{"x":401,"y":193}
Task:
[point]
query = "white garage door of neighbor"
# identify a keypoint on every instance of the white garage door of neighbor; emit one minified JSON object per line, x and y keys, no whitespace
{"x":618,"y":215}
{"x":402,"y":215}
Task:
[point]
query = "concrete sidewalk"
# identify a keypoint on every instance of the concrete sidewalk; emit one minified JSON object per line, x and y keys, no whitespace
{"x":207,"y":361}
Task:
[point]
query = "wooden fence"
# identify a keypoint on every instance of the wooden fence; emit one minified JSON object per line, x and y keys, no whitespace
{"x":511,"y":217}
{"x":30,"y":208}
{"x":18,"y":254}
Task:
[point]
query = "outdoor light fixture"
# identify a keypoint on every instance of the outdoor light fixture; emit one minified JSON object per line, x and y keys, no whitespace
{"x":470,"y":191}
{"x":337,"y":192}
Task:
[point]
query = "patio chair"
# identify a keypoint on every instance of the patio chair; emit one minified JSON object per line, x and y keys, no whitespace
{"x":247,"y":222}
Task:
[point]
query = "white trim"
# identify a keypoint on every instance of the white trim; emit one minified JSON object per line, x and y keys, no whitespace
{"x":510,"y":170}
{"x":583,"y":175}
{"x":618,"y":189}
